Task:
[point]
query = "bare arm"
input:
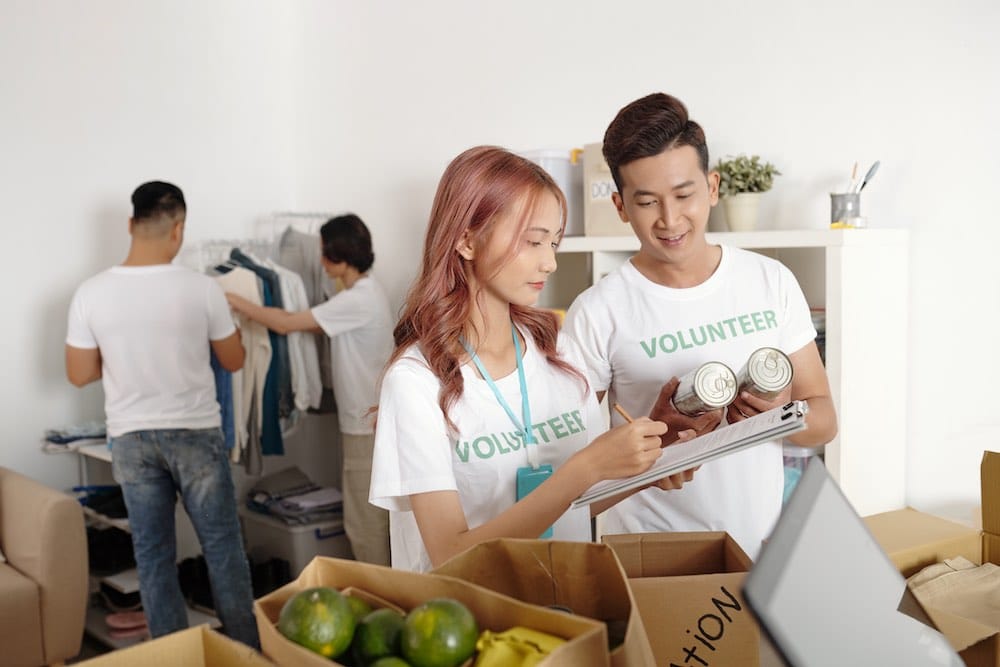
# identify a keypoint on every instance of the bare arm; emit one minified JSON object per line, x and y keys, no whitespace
{"x":621,"y":452}
{"x":229,"y":351}
{"x":276,"y":319}
{"x":810,"y":384}
{"x":83,"y":365}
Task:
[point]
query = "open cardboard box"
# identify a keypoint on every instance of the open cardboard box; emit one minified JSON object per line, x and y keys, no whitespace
{"x":195,"y":647}
{"x":582,"y":577}
{"x":586,"y":643}
{"x":913,"y":540}
{"x":687,"y":586}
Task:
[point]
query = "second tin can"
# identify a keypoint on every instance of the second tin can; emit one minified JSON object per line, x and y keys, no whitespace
{"x":765,"y":374}
{"x":708,"y":387}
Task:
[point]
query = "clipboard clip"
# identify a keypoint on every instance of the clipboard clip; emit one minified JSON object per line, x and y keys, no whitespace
{"x":795,"y":408}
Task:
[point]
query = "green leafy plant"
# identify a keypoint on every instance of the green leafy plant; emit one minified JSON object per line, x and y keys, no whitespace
{"x":745,"y":174}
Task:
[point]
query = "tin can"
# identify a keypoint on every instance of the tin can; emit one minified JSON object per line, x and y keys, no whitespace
{"x":765,"y":374}
{"x":708,"y":387}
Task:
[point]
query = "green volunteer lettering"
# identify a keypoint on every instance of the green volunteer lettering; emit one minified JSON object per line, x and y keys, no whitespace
{"x":540,"y":428}
{"x":716,"y":331}
{"x":579,"y":422}
{"x":475,"y":446}
{"x":500,"y":447}
{"x":513,"y":440}
{"x":462,"y":449}
{"x":709,"y":332}
{"x":557,"y":427}
{"x":569,"y":424}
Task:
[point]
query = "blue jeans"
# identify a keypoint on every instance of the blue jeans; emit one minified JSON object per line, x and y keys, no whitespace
{"x":153,"y":467}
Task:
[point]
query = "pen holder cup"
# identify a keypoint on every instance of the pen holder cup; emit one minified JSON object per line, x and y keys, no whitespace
{"x":844,"y":207}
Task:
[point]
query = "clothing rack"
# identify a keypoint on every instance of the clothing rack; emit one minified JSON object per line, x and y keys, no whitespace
{"x":199,"y":255}
{"x":307,"y":222}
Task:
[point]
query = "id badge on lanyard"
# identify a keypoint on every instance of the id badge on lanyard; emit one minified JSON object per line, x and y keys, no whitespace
{"x":531,"y":476}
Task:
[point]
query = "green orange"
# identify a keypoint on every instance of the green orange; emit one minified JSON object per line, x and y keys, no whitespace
{"x":359,"y":607}
{"x":390,"y":661}
{"x":439,"y":633}
{"x":377,"y":636}
{"x":320,"y":619}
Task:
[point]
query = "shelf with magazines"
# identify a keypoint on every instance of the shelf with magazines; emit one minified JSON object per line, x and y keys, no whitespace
{"x":855,"y":279}
{"x":114,"y":581}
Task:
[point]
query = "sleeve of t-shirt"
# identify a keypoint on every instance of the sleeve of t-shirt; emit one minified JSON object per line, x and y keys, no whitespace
{"x":220,"y":319}
{"x":412,"y":448}
{"x":344,"y":312}
{"x":799,"y":330}
{"x":78,"y":332}
{"x":591,"y":341}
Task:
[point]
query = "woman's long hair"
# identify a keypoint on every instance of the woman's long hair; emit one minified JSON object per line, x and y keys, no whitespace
{"x":477,"y":188}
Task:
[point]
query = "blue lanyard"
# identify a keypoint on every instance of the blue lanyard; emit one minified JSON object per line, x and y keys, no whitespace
{"x":525,"y":429}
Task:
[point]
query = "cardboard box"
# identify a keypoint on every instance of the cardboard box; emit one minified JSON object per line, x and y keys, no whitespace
{"x":600,"y":217}
{"x":586,"y":639}
{"x":195,"y":647}
{"x":688,"y":590}
{"x":913,"y":540}
{"x":583,"y":577}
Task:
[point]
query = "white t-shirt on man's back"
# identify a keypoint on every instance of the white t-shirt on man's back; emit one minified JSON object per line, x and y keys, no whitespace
{"x":153,"y":325}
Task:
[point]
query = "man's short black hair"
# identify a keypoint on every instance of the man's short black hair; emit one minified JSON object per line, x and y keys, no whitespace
{"x":347,"y":239}
{"x":155,"y":198}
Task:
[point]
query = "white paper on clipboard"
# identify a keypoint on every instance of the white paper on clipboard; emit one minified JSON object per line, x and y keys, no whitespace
{"x":680,"y":456}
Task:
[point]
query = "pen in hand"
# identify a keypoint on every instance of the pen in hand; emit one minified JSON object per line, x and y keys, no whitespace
{"x":620,"y":410}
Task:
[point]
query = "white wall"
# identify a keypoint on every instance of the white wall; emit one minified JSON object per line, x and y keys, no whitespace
{"x":336,"y":105}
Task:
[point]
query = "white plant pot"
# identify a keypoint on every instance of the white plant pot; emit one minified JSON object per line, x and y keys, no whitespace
{"x":741,"y":211}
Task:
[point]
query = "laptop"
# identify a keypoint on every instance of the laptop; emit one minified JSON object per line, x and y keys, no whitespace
{"x":826,"y":593}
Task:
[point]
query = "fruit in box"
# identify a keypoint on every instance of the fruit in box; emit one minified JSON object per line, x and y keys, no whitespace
{"x":320,"y":619}
{"x":441,"y":632}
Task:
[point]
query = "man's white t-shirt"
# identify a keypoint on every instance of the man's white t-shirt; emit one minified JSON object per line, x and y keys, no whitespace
{"x":415,"y":453}
{"x":152,"y":325}
{"x":359,"y":324}
{"x":636,"y":334}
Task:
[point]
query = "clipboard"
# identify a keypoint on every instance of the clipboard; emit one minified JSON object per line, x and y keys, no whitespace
{"x":680,"y":456}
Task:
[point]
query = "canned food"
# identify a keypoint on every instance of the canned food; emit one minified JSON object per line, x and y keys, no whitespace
{"x":708,"y":387}
{"x":766,"y":373}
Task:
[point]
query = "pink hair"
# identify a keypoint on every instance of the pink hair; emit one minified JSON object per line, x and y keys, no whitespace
{"x":477,"y":187}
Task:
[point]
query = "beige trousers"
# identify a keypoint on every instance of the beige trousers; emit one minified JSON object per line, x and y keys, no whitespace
{"x":367,"y":526}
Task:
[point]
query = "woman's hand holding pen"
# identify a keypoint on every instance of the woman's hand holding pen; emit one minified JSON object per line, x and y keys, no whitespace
{"x":676,"y":480}
{"x":625,"y":450}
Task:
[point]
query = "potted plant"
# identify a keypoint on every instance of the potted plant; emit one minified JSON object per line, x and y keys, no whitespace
{"x":742,"y":179}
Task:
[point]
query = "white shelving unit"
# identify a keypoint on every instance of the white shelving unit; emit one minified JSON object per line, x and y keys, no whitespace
{"x":861,"y":278}
{"x":126,"y":581}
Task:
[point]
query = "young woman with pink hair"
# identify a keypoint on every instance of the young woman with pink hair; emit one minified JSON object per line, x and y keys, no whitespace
{"x":474,"y":362}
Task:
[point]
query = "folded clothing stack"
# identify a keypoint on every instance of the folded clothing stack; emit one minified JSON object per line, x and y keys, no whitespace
{"x":291,"y":496}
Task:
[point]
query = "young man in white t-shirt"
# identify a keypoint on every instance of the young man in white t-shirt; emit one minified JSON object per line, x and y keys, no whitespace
{"x":359,"y":323}
{"x":680,"y":302}
{"x":146,"y":328}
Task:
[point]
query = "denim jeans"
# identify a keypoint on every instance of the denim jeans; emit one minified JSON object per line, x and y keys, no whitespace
{"x":154,"y":467}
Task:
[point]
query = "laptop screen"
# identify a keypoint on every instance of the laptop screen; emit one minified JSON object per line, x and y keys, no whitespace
{"x":827,"y":594}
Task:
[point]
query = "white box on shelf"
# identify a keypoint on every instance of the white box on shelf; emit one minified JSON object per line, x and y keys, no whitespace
{"x":270,"y":537}
{"x":567,"y":171}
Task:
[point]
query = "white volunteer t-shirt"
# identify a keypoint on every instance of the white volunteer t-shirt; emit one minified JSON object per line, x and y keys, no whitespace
{"x":414,"y":452}
{"x":636,"y":334}
{"x":153,"y":325}
{"x":359,"y":324}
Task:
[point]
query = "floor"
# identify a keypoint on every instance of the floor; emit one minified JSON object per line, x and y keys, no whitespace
{"x":91,"y":648}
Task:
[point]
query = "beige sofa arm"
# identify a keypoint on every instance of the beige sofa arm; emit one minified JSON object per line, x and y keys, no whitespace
{"x":44,"y":537}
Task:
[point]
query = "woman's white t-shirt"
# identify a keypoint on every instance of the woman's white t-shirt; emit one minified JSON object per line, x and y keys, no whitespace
{"x":414,"y":453}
